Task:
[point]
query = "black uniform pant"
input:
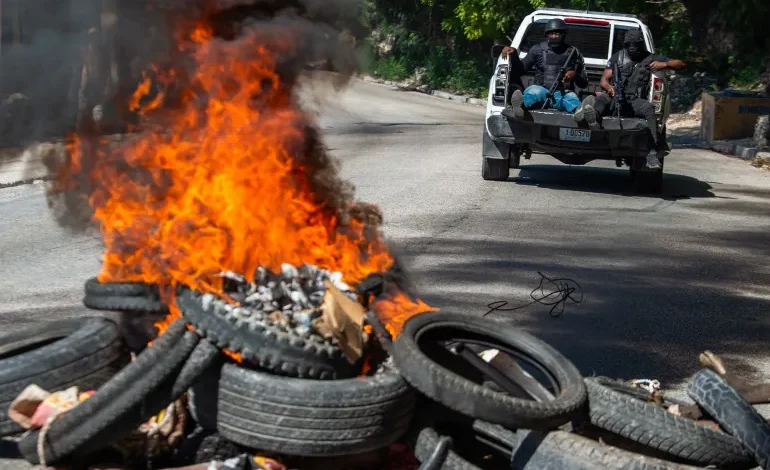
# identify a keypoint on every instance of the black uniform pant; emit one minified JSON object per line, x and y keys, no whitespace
{"x":636,"y":107}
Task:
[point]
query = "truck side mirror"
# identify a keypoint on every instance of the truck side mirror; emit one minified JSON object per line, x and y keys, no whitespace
{"x":497,"y":49}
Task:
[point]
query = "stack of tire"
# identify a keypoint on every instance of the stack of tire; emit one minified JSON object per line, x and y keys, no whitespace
{"x":130,"y":391}
{"x":279,"y":392}
{"x":289,"y":394}
{"x":477,"y":425}
{"x":84,"y":352}
{"x":303,"y":398}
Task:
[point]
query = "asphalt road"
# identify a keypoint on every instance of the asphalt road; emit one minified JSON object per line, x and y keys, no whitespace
{"x":663,"y":278}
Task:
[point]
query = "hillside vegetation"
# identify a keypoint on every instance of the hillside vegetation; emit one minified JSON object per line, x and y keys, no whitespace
{"x":445,"y":43}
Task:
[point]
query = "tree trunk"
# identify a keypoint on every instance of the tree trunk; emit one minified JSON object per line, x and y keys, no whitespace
{"x":700,"y":12}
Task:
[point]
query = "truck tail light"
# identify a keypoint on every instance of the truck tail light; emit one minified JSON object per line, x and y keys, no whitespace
{"x":658,"y":88}
{"x":500,"y":76}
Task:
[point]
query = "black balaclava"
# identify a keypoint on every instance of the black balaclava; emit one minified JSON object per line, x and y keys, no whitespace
{"x":634,"y":44}
{"x":557,"y":42}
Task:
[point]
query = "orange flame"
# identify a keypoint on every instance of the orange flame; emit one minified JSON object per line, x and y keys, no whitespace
{"x":395,"y":309}
{"x":142,"y":91}
{"x":219,"y":185}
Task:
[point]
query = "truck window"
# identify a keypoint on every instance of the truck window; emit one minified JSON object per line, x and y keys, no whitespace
{"x":620,"y":36}
{"x":592,"y":41}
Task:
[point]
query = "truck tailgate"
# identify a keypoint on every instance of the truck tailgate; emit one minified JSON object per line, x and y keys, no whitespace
{"x":556,"y":131}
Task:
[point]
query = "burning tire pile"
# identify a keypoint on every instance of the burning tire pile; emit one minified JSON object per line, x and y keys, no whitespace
{"x":259,"y":380}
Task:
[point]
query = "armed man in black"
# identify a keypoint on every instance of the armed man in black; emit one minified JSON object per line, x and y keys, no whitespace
{"x":635,"y":64}
{"x":548,"y":58}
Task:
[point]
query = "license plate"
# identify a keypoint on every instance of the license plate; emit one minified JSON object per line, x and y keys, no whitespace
{"x":574,"y":135}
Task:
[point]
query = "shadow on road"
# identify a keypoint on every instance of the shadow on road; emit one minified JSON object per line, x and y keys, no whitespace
{"x":647,"y":311}
{"x":607,"y":181}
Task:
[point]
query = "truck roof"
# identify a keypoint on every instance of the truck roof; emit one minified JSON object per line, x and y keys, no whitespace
{"x":596,"y":46}
{"x":604,"y":14}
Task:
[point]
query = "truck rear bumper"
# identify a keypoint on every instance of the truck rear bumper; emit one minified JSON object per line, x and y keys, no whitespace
{"x":540,"y":129}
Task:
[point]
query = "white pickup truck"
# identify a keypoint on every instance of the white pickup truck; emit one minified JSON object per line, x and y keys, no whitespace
{"x":597,"y":36}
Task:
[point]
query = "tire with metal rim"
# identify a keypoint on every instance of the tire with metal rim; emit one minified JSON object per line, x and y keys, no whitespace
{"x":617,"y":408}
{"x":475,"y":400}
{"x":313,"y":417}
{"x":84,"y":352}
{"x":733,"y":413}
{"x":262,"y":341}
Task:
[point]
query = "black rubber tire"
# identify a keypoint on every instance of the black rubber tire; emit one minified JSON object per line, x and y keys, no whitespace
{"x":201,"y":445}
{"x":129,"y":399}
{"x":125,"y":304}
{"x":310,"y":417}
{"x":495,"y":169}
{"x":94,"y":288}
{"x":622,"y":413}
{"x":138,"y":329}
{"x":733,"y":413}
{"x":203,"y":396}
{"x":270,"y":345}
{"x":477,"y":401}
{"x":557,"y":450}
{"x":426,"y":442}
{"x":84,"y":352}
{"x":495,"y":158}
{"x":216,"y":447}
{"x":203,"y":356}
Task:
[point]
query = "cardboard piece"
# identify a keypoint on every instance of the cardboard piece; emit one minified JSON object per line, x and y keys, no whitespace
{"x":342,"y":320}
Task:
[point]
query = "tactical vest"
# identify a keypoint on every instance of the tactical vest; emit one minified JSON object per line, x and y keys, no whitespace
{"x":552,"y":63}
{"x":634,"y":75}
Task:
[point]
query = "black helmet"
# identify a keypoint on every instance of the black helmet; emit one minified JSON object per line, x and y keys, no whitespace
{"x":556,"y":24}
{"x":634,"y":44}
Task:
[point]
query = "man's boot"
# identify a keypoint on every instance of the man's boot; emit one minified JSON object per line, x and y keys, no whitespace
{"x":653,"y":162}
{"x":516,"y":110}
{"x":586,"y":112}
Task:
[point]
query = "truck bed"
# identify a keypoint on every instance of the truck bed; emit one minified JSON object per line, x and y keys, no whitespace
{"x":542,"y":131}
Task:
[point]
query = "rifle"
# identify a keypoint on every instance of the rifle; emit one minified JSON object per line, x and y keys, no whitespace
{"x":619,"y":93}
{"x":549,"y":96}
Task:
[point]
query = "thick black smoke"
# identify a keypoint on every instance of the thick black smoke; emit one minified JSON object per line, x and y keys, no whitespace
{"x":321,"y":34}
{"x":43,"y":53}
{"x":40,"y":51}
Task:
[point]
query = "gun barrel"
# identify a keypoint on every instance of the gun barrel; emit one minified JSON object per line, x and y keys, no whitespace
{"x":559,"y":77}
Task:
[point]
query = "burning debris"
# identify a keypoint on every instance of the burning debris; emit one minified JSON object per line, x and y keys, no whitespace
{"x":231,"y":175}
{"x":293,"y":297}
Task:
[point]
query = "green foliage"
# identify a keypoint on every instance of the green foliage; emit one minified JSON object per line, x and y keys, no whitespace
{"x":446,"y":43}
{"x":391,"y":68}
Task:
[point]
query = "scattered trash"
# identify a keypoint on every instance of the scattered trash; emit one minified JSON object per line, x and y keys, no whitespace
{"x":650,"y":386}
{"x":34,"y":406}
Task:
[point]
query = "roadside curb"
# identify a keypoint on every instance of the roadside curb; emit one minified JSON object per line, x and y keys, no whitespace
{"x":739,"y":149}
{"x":35,"y":180}
{"x":404,"y":86}
{"x":735,"y":150}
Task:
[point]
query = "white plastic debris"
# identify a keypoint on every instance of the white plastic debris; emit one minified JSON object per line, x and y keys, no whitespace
{"x":649,"y":385}
{"x":297,"y":292}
